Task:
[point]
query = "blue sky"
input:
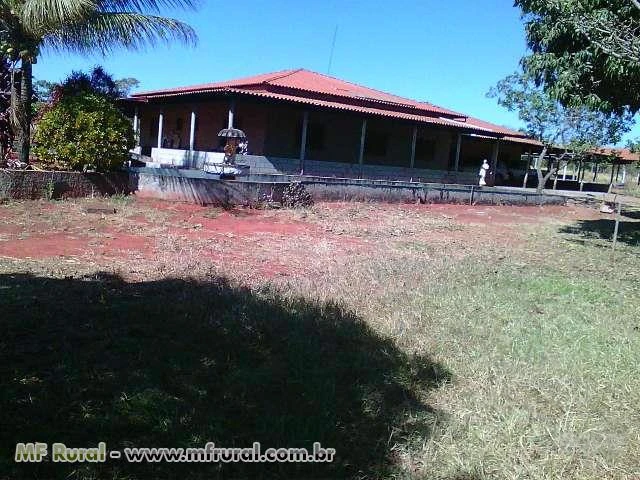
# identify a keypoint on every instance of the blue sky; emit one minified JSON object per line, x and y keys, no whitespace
{"x":448,"y":53}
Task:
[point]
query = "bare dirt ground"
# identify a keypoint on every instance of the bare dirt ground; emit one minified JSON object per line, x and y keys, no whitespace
{"x":143,"y":236}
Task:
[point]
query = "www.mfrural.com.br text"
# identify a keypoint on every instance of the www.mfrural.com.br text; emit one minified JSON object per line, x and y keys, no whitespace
{"x":59,"y":452}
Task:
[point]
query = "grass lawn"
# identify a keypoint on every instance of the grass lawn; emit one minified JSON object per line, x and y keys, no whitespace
{"x":421,"y":342}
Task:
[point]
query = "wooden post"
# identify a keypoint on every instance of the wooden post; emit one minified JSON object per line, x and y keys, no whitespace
{"x":363,"y":137}
{"x":192,"y":132}
{"x":412,"y":160}
{"x":494,"y":155}
{"x":414,"y":139}
{"x":617,"y":173}
{"x":303,"y":140}
{"x":456,"y":165}
{"x":160,"y":126}
{"x":494,"y":162}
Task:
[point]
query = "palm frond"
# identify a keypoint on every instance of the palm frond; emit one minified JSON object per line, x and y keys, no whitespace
{"x":37,"y":16}
{"x":145,"y":6}
{"x":106,"y":32}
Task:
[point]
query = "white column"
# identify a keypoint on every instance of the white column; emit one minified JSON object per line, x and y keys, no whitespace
{"x":303,"y":141}
{"x":414,"y":138}
{"x":564,"y":172}
{"x":363,"y":136}
{"x":136,"y":127}
{"x":624,"y":174}
{"x":456,"y":165}
{"x":160,"y":126}
{"x":192,"y":131}
{"x":232,"y":112}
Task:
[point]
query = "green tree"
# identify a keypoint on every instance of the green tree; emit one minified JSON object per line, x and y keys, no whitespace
{"x":27,"y":26}
{"x":83,"y":131}
{"x":575,"y":129}
{"x":585,"y":52}
{"x":125,"y":85}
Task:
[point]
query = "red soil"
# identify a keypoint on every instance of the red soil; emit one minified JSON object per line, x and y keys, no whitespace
{"x":259,"y":243}
{"x":59,"y":244}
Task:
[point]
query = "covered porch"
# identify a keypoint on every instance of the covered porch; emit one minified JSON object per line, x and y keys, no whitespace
{"x":294,"y":139}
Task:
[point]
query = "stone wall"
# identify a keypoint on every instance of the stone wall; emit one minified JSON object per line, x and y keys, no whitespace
{"x":30,"y":184}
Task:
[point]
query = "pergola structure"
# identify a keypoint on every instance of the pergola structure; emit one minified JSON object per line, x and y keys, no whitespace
{"x":618,"y":159}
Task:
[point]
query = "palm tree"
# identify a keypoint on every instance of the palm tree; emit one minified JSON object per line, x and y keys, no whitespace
{"x":80,"y":26}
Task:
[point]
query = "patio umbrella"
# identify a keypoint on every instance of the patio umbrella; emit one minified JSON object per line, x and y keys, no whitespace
{"x":231,"y":133}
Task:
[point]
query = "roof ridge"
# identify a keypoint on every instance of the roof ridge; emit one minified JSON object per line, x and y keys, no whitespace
{"x":377,"y":90}
{"x":285,"y":73}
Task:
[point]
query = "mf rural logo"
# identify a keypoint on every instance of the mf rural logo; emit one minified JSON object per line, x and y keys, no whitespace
{"x":36,"y":452}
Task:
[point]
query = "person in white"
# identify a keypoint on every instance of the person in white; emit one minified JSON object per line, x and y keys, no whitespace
{"x":483,"y":173}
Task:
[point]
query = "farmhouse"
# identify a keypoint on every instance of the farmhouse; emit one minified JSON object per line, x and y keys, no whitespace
{"x":302,"y":122}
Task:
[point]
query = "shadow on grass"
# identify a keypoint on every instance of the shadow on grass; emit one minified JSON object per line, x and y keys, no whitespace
{"x":602,"y":229}
{"x":175,"y":363}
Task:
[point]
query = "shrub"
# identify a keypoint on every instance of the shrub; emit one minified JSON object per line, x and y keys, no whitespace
{"x":84,"y":130}
{"x":295,"y":195}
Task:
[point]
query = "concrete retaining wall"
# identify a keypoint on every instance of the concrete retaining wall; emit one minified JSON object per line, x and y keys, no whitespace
{"x":198,"y":187}
{"x":30,"y":184}
{"x":192,"y":186}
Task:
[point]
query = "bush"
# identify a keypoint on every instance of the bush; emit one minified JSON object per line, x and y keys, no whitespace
{"x":295,"y":195}
{"x":84,"y":130}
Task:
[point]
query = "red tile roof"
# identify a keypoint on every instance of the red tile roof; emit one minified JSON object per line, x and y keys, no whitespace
{"x":623,"y":155}
{"x":304,"y":86}
{"x":416,"y":117}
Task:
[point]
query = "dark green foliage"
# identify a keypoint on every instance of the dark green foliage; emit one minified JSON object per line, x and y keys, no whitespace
{"x":295,"y":195}
{"x":97,"y":81}
{"x":585,"y":51}
{"x":84,"y":130}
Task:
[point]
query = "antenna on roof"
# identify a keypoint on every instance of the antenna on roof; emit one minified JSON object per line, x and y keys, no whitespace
{"x":333,"y":46}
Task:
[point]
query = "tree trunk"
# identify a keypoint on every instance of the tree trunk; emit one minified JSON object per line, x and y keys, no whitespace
{"x":23,"y":114}
{"x":541,"y":179}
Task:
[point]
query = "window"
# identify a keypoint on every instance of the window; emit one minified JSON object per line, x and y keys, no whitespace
{"x":375,"y":143}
